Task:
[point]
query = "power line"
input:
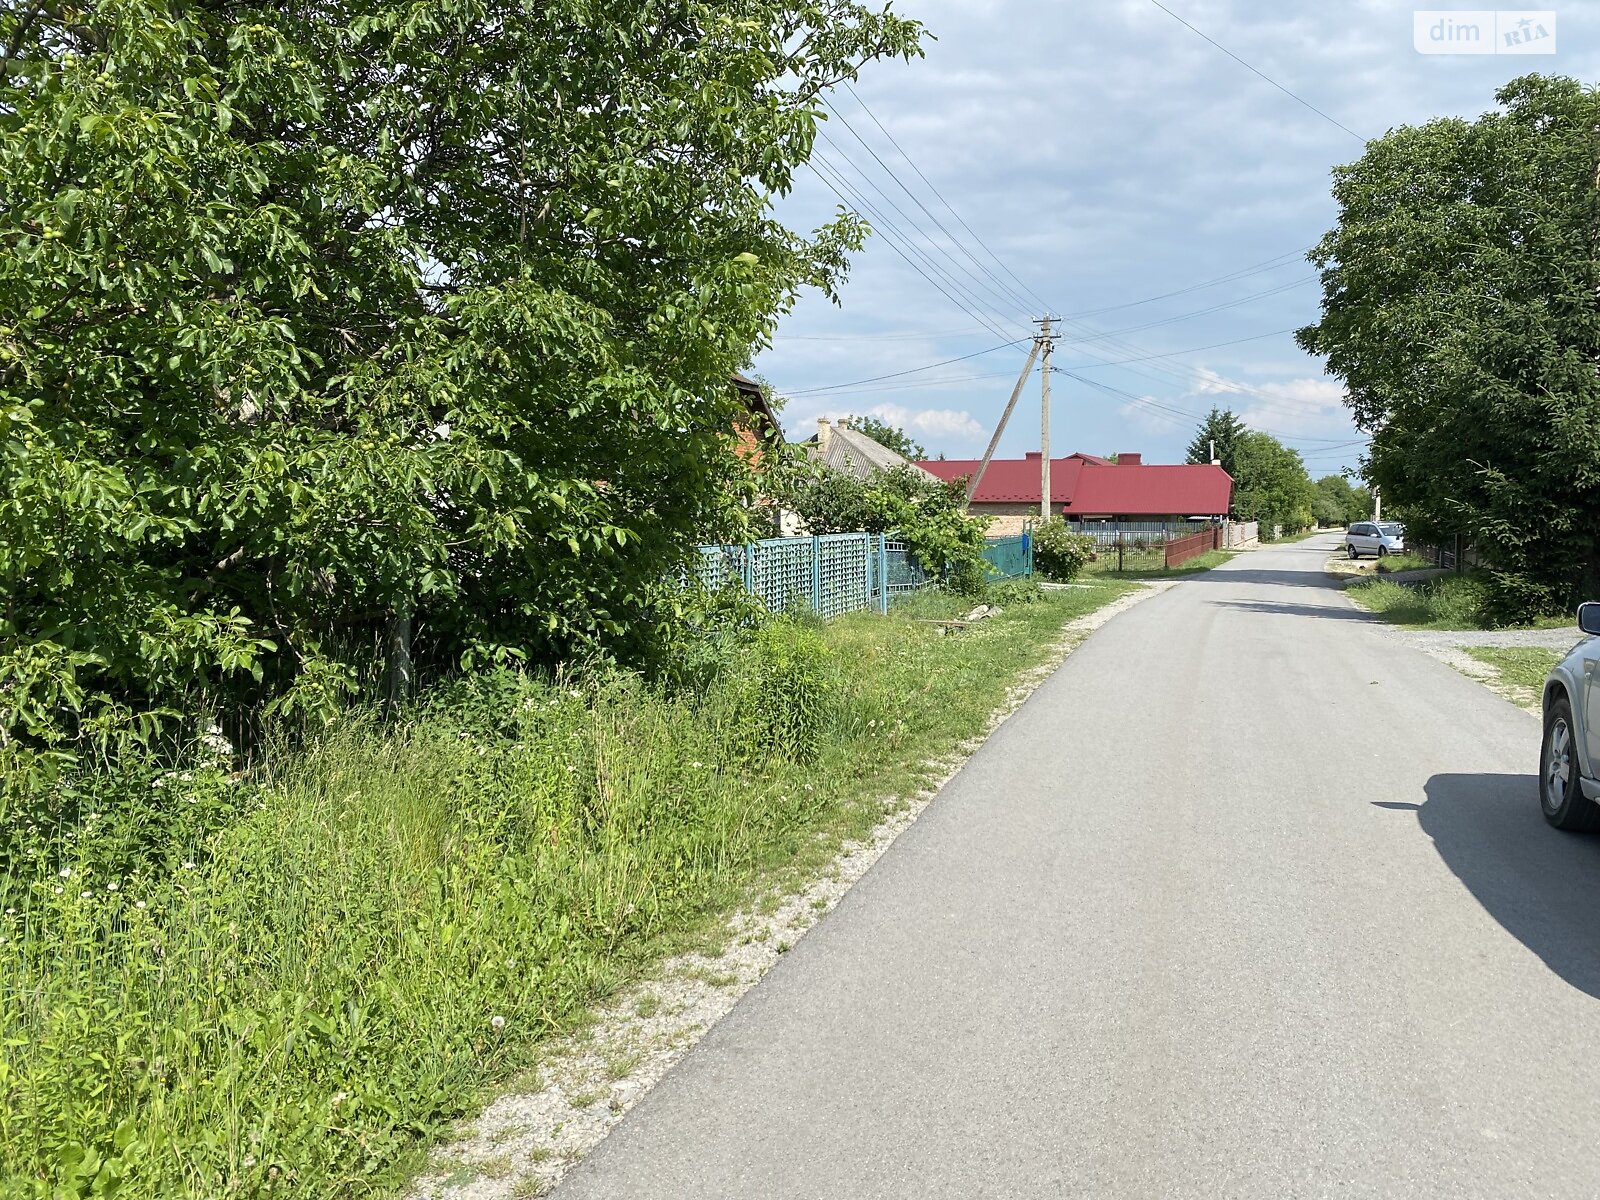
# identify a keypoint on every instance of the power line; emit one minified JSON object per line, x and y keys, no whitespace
{"x":1271,"y":264}
{"x":1001,"y":311}
{"x":861,"y":202}
{"x":913,"y":371}
{"x":1180,"y":412}
{"x":1199,"y":312}
{"x":1013,"y":297}
{"x":1255,"y":337}
{"x":919,"y":384}
{"x":1043,"y":305}
{"x":1253,"y":71}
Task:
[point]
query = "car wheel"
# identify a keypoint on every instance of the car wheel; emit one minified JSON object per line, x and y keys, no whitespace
{"x":1351,"y":551}
{"x":1560,"y":798}
{"x":1383,"y":552}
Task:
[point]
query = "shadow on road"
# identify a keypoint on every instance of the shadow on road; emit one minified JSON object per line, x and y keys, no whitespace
{"x":1540,"y":884}
{"x":1289,"y":609}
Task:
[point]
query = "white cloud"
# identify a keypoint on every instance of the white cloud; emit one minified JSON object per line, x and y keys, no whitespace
{"x":944,"y":429}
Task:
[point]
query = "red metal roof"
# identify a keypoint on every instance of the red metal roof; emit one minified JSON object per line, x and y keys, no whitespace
{"x":1085,"y":485}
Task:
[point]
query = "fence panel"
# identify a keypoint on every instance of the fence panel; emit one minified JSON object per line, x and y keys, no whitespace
{"x":1184,"y":549}
{"x":833,"y":574}
{"x":1009,"y":558}
{"x":904,"y":574}
{"x":1107,"y":533}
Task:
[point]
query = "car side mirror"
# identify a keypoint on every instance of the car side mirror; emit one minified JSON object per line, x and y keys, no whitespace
{"x":1589,"y":617}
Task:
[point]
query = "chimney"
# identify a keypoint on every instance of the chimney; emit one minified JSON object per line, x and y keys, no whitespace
{"x":824,"y":434}
{"x":1125,"y":459}
{"x":1033,"y":455}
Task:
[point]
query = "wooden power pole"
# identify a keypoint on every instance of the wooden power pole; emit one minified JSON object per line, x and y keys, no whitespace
{"x":1045,"y":343}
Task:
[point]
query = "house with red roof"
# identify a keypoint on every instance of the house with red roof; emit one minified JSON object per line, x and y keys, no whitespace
{"x":1093,"y":491}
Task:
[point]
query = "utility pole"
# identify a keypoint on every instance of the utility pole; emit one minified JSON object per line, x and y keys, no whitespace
{"x":1377,"y":505}
{"x":1045,"y":342}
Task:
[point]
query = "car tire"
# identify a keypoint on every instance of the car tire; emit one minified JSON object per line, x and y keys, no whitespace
{"x":1383,"y":552}
{"x":1351,"y":551}
{"x":1561,"y":799}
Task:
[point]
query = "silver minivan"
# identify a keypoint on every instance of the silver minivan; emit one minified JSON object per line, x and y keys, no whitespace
{"x":1378,"y":538}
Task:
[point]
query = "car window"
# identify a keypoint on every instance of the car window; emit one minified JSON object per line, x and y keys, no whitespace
{"x":1389,"y":528}
{"x":1361,"y":530}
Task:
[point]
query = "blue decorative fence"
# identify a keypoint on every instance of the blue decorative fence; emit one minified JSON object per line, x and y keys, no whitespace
{"x":832,"y":574}
{"x":1009,"y":558}
{"x":841,"y":572}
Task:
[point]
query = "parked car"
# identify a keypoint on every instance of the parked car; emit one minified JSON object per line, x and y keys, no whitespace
{"x":1378,"y":538}
{"x":1569,"y":765}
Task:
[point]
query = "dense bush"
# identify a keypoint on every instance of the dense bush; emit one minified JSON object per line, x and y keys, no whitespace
{"x":1058,"y":553}
{"x":929,"y":515}
{"x":288,"y":374}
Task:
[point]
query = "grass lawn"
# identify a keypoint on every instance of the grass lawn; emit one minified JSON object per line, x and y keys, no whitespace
{"x":1517,"y":667}
{"x":398,"y":917}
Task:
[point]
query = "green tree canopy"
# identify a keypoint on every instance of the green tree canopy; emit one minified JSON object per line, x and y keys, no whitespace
{"x":1271,"y":484}
{"x":885,"y":434}
{"x":1222,"y":428}
{"x":1343,"y":502}
{"x":1459,"y":309}
{"x":316,"y":316}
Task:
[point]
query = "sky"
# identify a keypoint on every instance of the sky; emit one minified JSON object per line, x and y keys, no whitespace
{"x":1092,"y":156}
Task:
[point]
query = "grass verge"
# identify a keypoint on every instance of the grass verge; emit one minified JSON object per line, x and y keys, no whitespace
{"x":1151,"y":565}
{"x":1453,"y":602}
{"x":1518,"y":670}
{"x":399,"y":917}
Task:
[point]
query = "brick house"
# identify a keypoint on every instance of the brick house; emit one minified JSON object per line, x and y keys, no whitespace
{"x":1093,"y":491}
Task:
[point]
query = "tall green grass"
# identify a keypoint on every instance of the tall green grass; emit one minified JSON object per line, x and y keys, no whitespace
{"x":396,"y":917}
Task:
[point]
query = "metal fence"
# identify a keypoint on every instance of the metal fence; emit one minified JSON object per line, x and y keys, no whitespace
{"x":831,"y":575}
{"x":841,"y":572}
{"x":1009,"y":557}
{"x":1130,"y":533}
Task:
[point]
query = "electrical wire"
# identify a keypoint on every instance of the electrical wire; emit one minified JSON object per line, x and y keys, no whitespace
{"x":1043,"y":305}
{"x":978,"y":289}
{"x":1253,"y":71}
{"x":997,"y":285}
{"x":839,"y":186}
{"x":912,"y":371}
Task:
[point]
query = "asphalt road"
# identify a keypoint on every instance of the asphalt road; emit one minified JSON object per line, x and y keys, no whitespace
{"x":1248,"y":900}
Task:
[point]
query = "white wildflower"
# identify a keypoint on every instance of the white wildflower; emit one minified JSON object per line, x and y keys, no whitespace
{"x":497,"y":1023}
{"x":188,"y":866}
{"x":60,"y":890}
{"x":248,"y":1161}
{"x":65,"y":872}
{"x":138,"y":903}
{"x":111,"y":887}
{"x":85,"y":895}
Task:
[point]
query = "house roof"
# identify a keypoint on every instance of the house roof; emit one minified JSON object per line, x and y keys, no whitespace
{"x":1087,"y":485}
{"x":851,"y":452}
{"x":755,"y":402}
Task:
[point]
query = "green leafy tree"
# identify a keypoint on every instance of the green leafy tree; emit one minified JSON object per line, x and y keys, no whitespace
{"x":1459,"y":309}
{"x":325,"y":325}
{"x":1270,"y":483}
{"x":1342,"y":501}
{"x":1223,"y":429}
{"x":885,"y":434}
